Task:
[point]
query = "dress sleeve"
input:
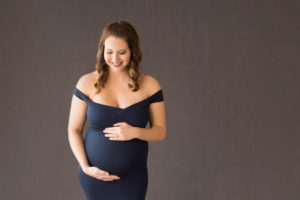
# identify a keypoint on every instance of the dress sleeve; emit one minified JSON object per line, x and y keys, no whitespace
{"x":79,"y":94}
{"x":157,"y":97}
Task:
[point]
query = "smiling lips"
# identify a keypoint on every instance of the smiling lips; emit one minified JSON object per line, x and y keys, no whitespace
{"x":116,"y":65}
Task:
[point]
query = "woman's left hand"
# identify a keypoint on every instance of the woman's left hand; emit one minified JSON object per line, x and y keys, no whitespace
{"x":121,"y":131}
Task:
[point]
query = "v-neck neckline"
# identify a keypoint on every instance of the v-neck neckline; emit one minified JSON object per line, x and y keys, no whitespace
{"x":114,"y":107}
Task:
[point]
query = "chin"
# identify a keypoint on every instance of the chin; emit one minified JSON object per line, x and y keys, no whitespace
{"x":121,"y":68}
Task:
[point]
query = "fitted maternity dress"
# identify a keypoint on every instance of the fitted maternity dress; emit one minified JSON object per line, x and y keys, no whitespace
{"x":126,"y":159}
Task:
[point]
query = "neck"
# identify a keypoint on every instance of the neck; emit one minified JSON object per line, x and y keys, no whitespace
{"x":120,"y":77}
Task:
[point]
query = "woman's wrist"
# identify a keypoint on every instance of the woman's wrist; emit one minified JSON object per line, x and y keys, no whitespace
{"x":84,"y":167}
{"x":137,"y":132}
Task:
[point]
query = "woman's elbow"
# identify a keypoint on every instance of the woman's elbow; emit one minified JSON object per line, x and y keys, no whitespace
{"x":162,"y":134}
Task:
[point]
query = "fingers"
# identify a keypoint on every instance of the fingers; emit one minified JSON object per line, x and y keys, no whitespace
{"x":112,"y":130}
{"x":119,"y":123}
{"x":110,"y":135}
{"x":104,"y":175}
{"x":109,"y":178}
{"x":101,"y":174}
{"x":114,"y":136}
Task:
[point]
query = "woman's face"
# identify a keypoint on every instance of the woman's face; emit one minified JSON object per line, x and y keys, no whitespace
{"x":116,"y":53}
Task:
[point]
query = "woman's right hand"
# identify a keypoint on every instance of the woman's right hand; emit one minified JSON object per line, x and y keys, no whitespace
{"x":99,"y":174}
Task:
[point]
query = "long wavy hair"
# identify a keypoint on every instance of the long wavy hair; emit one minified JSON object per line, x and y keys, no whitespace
{"x":126,"y":31}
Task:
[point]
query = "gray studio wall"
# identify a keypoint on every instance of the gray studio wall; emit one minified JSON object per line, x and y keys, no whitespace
{"x":230,"y":75}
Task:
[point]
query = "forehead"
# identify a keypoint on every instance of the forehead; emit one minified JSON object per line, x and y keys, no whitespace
{"x":115,"y":43}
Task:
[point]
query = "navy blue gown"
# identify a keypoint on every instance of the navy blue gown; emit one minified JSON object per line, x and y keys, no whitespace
{"x":126,"y":159}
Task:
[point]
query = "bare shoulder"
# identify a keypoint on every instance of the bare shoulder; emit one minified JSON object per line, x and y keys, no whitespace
{"x":152,"y":85}
{"x":85,"y":82}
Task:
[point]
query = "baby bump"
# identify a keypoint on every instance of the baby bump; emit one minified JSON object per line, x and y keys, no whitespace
{"x":117,"y":157}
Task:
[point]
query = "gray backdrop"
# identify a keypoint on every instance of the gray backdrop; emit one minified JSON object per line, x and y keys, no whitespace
{"x":230,"y":75}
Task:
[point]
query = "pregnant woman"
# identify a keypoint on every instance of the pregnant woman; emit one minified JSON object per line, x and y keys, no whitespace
{"x":118,"y":100}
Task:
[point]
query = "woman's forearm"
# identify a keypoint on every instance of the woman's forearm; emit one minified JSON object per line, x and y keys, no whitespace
{"x":155,"y":133}
{"x":77,"y":146}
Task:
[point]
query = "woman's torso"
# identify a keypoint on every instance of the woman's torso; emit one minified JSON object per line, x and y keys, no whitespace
{"x":118,"y":157}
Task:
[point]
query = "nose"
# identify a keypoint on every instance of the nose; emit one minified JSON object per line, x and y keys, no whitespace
{"x":115,"y":58}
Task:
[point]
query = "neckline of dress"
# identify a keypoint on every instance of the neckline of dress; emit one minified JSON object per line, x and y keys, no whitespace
{"x":100,"y":104}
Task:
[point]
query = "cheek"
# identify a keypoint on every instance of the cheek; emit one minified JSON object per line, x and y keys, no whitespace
{"x":127,"y":58}
{"x":106,"y":57}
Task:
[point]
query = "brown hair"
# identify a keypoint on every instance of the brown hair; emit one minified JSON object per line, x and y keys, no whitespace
{"x":126,"y":31}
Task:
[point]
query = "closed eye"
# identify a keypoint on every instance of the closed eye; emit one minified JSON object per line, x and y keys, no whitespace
{"x":120,"y":53}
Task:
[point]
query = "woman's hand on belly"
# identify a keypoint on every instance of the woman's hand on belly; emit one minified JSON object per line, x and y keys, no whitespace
{"x":99,"y":174}
{"x":121,"y":131}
